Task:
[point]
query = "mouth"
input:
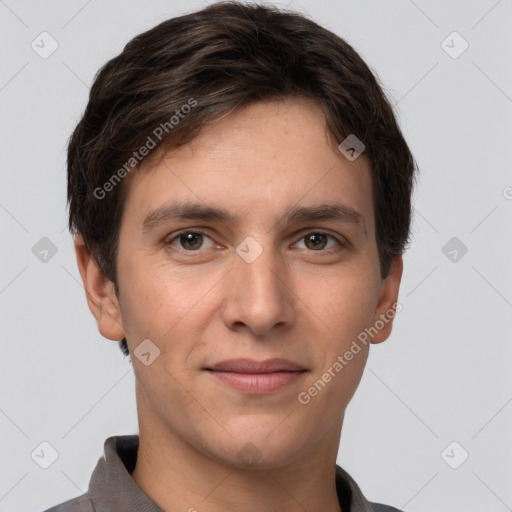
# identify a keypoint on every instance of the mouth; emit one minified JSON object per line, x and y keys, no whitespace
{"x":257,"y":377}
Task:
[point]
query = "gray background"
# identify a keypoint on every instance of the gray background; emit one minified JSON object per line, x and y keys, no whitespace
{"x":443,"y":376}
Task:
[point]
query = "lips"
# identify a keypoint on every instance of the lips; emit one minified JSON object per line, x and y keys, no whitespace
{"x":253,"y":366}
{"x":257,"y":377}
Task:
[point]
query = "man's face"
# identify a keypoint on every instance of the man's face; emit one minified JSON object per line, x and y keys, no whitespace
{"x":255,"y":286}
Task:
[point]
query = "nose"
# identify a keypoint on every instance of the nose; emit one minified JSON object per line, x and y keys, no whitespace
{"x":259,"y":294}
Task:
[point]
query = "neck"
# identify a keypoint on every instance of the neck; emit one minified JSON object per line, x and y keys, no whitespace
{"x":180,"y":477}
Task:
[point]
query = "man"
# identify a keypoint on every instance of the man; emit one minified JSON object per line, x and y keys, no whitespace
{"x":240,"y":193}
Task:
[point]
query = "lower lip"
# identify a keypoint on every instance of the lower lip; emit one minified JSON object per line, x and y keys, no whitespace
{"x":257,"y":383}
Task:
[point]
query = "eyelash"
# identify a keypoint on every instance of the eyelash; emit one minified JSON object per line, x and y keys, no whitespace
{"x":169,"y":241}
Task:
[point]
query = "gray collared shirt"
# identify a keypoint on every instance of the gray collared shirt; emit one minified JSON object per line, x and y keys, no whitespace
{"x":112,"y":489}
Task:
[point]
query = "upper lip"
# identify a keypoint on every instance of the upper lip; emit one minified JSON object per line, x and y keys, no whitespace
{"x":253,"y":366}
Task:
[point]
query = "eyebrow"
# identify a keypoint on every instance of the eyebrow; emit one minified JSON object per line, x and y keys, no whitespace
{"x":199,"y":211}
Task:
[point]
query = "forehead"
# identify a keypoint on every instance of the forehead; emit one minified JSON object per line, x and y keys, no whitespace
{"x":258,"y":161}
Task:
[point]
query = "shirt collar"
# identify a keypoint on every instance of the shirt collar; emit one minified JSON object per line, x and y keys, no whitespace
{"x":113,"y":473}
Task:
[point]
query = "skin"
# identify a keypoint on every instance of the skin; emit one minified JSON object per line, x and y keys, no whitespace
{"x":295,"y":301}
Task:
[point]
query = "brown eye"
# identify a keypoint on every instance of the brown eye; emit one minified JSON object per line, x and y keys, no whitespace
{"x":191,"y":241}
{"x":316,"y":241}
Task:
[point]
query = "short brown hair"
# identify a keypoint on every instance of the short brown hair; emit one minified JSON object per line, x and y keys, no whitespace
{"x":222,"y":57}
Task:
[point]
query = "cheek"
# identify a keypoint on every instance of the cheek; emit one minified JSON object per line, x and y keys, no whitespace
{"x":156,"y":298}
{"x":172,"y":310}
{"x":345,"y":302}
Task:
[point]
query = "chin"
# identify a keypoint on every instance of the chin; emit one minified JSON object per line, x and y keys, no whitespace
{"x":262,"y":451}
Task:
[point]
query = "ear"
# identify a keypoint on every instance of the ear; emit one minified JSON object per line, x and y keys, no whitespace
{"x":100,"y":293}
{"x":387,"y":306}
